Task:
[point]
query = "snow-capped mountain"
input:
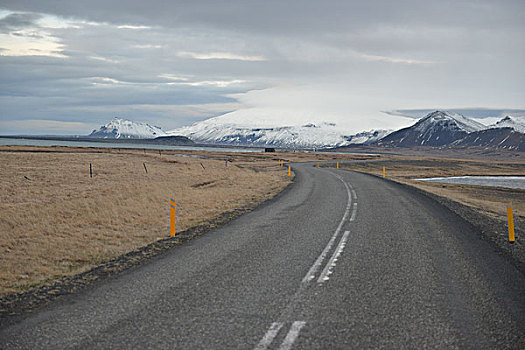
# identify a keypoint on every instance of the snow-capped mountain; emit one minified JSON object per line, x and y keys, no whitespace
{"x":310,"y":135}
{"x":436,"y":129}
{"x":119,"y":128}
{"x":516,"y":123}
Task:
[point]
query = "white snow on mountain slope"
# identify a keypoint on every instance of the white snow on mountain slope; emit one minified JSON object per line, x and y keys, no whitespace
{"x":442,"y":118}
{"x":435,"y":129}
{"x":290,"y":128}
{"x":119,"y":128}
{"x":271,"y":117}
{"x":310,"y":135}
{"x":367,"y":137}
{"x":516,"y":123}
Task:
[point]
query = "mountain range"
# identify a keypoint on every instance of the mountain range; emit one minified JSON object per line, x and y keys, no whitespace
{"x":309,"y":135}
{"x":436,"y":129}
{"x":445,"y":129}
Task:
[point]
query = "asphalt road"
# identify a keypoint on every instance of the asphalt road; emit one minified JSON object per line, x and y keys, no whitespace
{"x":340,"y":261}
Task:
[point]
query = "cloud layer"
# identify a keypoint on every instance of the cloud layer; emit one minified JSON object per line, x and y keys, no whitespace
{"x":177,"y":62}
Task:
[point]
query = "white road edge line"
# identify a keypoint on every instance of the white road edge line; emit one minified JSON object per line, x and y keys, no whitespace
{"x":292,"y":335}
{"x":311,"y":273}
{"x":325,"y":275}
{"x":269,"y":336}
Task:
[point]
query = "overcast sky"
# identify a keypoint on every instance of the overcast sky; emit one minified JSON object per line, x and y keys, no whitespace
{"x":67,"y":67}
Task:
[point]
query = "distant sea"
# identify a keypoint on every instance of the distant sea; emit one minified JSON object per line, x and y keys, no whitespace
{"x":4,"y":141}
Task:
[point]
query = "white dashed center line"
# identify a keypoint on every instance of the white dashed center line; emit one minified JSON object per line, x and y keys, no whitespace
{"x":310,"y":275}
{"x":292,"y":335}
{"x":325,"y":275}
{"x":288,"y":341}
{"x":269,"y":336}
{"x":296,"y":327}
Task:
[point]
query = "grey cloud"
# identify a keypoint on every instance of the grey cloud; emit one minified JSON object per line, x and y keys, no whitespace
{"x":476,"y":47}
{"x":52,"y":88}
{"x":16,"y":21}
{"x":28,"y":35}
{"x":288,"y":18}
{"x":406,"y":27}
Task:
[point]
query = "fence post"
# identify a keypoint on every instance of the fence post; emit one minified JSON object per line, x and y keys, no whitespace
{"x":510,"y":223}
{"x":173,"y":217}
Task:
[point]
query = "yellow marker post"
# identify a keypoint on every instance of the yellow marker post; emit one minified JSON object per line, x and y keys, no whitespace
{"x":384,"y":173}
{"x":289,"y":170}
{"x":337,"y":165}
{"x":510,"y":221}
{"x":173,"y":218}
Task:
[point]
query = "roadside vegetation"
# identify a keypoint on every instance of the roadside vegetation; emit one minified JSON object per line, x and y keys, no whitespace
{"x":56,"y":220}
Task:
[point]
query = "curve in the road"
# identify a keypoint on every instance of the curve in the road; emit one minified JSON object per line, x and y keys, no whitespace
{"x":311,"y":270}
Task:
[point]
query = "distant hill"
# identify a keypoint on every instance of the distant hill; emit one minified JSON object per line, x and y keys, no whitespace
{"x":170,"y":140}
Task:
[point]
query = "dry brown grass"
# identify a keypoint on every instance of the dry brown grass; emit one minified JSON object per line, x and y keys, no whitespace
{"x":55,"y":220}
{"x":490,"y":200}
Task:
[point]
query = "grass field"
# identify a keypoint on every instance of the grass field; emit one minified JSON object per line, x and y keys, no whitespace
{"x":56,"y":220}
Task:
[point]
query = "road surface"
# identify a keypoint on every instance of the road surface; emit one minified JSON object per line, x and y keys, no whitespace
{"x":341,"y":260}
